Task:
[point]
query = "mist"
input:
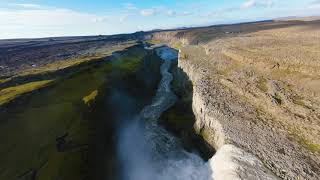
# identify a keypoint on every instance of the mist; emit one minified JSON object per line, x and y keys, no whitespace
{"x":146,"y":150}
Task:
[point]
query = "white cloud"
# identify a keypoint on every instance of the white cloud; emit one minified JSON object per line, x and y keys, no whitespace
{"x":171,"y":13}
{"x":124,"y":17}
{"x":248,"y":4}
{"x":28,"y":6}
{"x":174,"y":13}
{"x":219,"y":13}
{"x":256,"y":3}
{"x":100,"y":19}
{"x":44,"y":22}
{"x":45,"y":17}
{"x":148,"y":12}
{"x":185,"y":13}
{"x":315,"y":5}
{"x":130,"y":6}
{"x":161,"y":10}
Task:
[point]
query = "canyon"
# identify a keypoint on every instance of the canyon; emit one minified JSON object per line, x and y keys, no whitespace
{"x":248,"y":81}
{"x":220,"y":102}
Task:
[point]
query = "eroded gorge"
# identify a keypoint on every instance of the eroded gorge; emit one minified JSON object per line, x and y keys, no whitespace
{"x":116,"y":117}
{"x":221,"y":102}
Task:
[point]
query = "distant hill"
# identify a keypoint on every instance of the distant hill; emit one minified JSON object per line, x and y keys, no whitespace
{"x":292,"y":18}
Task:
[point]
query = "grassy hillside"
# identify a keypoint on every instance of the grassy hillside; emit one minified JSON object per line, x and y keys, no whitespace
{"x":44,"y":135}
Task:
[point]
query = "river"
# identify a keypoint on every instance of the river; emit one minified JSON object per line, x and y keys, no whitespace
{"x":146,"y":150}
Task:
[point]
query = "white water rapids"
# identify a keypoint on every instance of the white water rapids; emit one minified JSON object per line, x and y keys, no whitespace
{"x":149,"y":152}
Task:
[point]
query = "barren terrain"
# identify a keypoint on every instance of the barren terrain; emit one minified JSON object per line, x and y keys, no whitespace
{"x":266,"y":77}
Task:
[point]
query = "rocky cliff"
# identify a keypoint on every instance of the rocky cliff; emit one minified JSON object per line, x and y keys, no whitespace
{"x":247,"y":96}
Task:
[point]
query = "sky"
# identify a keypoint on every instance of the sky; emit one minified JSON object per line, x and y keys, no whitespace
{"x":48,"y":18}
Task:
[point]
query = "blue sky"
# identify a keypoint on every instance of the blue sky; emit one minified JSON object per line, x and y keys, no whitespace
{"x":44,"y":18}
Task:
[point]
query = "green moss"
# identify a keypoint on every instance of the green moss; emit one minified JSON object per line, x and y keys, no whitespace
{"x":153,"y":41}
{"x":179,"y":118}
{"x":130,"y":66}
{"x":65,"y":63}
{"x":184,"y":56}
{"x":295,"y":135}
{"x":64,"y":165}
{"x":29,"y":130}
{"x":30,"y":135}
{"x":177,"y":45}
{"x":278,"y":98}
{"x":315,"y":148}
{"x":11,"y":93}
{"x":204,"y":135}
{"x":299,"y":101}
{"x":4,"y":80}
{"x":62,"y":64}
{"x":262,"y":84}
{"x":91,"y":97}
{"x":129,"y":62}
{"x":175,"y":120}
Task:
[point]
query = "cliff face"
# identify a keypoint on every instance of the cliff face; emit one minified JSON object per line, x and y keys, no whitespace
{"x":67,"y":129}
{"x":219,"y":121}
{"x":247,"y":100}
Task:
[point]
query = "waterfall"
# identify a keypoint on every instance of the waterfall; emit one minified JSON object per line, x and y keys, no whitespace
{"x":149,"y":152}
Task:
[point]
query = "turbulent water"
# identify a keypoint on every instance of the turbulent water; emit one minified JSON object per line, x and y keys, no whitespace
{"x":146,"y":150}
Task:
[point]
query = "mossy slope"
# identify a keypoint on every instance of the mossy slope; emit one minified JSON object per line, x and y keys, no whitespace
{"x":45,"y":135}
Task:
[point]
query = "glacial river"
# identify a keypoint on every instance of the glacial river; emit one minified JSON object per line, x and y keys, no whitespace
{"x":146,"y":150}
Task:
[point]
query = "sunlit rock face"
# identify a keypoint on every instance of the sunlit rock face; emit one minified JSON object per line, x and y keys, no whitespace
{"x":230,"y":161}
{"x":233,"y":163}
{"x":251,"y":96}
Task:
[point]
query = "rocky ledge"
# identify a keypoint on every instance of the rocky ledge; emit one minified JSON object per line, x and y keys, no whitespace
{"x":224,"y":119}
{"x":253,"y":141}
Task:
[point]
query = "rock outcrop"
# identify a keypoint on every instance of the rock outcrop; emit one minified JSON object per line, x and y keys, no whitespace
{"x":252,"y":123}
